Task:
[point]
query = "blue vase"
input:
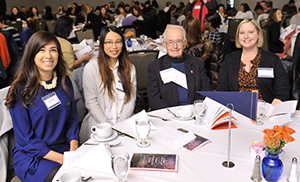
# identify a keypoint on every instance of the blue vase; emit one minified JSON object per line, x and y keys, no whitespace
{"x":129,"y":42}
{"x":272,"y":166}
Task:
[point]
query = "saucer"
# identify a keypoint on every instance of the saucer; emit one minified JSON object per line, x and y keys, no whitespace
{"x":183,"y":118}
{"x":96,"y":138}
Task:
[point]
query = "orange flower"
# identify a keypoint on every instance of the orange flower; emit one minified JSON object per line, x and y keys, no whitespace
{"x":272,"y":142}
{"x":278,"y":129}
{"x":269,"y":132}
{"x":288,"y":129}
{"x":129,"y":34}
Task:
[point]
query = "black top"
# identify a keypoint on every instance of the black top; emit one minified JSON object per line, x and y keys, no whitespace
{"x":271,"y":88}
{"x":276,"y":45}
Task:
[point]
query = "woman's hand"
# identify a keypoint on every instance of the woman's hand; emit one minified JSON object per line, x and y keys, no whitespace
{"x":73,"y":145}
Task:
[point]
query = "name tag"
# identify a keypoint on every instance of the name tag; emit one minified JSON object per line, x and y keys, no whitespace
{"x":167,"y":75}
{"x":173,"y":75}
{"x":120,"y":86}
{"x":51,"y":101}
{"x":265,"y":73}
{"x":197,"y":7}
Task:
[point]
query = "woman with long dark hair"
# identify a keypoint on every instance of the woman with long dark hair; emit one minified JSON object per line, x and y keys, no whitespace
{"x":15,"y":14}
{"x":277,"y":46}
{"x":109,"y":84}
{"x":43,"y":111}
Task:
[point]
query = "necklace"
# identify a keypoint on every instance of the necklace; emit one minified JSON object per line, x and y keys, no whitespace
{"x":52,"y":85}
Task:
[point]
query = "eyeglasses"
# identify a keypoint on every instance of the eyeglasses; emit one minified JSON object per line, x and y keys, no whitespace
{"x":179,"y":42}
{"x":118,"y":43}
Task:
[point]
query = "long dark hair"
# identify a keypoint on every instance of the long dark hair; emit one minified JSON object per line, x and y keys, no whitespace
{"x":26,"y":81}
{"x":272,"y":17}
{"x":124,"y":69}
{"x":63,"y":26}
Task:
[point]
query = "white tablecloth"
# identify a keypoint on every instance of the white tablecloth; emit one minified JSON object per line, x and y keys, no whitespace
{"x":204,"y":164}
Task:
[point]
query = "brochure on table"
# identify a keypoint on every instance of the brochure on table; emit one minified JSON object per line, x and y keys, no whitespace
{"x":83,"y":47}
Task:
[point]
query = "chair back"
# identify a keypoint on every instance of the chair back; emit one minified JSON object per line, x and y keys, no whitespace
{"x":17,"y":25}
{"x":263,"y":23}
{"x":141,"y":59}
{"x":84,"y":34}
{"x":50,"y":25}
{"x":265,"y":33}
{"x":232,"y":28}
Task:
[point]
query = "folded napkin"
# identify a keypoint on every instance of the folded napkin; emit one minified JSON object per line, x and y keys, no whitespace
{"x":97,"y":160}
{"x":172,"y":137}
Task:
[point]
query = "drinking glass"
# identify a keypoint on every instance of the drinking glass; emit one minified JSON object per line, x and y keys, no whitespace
{"x":260,"y":112}
{"x":120,"y":165}
{"x":142,"y":127}
{"x":200,"y":109}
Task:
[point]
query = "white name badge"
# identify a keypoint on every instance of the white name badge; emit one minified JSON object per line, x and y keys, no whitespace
{"x":120,"y":86}
{"x":197,"y":7}
{"x":167,"y":75}
{"x":51,"y":101}
{"x":173,"y":75}
{"x":265,"y":73}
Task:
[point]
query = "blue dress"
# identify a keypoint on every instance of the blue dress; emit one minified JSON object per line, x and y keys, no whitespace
{"x":37,"y":131}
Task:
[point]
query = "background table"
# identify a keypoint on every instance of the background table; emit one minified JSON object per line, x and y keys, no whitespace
{"x":204,"y":164}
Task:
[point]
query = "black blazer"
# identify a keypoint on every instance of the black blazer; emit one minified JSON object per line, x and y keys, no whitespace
{"x":275,"y":44}
{"x":162,"y":95}
{"x":271,"y":88}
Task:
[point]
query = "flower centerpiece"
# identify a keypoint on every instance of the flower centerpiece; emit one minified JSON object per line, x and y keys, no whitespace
{"x":274,"y":140}
{"x":129,"y":35}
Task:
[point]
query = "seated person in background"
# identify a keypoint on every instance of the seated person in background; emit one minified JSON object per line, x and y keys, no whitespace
{"x":43,"y":130}
{"x":104,"y":17}
{"x":244,"y":12}
{"x":182,"y":15}
{"x":15,"y":34}
{"x":119,"y":17}
{"x":73,"y":10}
{"x":60,"y":11}
{"x":222,"y":13}
{"x":162,"y":95}
{"x":137,"y":12}
{"x":289,"y":9}
{"x":172,"y":11}
{"x":261,"y":14}
{"x":109,"y":84}
{"x":15,"y":14}
{"x":48,"y":13}
{"x":242,"y":70}
{"x":63,"y":28}
{"x":277,"y":46}
{"x":295,"y":19}
{"x":86,"y":17}
{"x":211,"y":22}
{"x":129,"y":18}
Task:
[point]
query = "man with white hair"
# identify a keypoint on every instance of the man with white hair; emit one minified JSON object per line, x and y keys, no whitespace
{"x":175,"y":78}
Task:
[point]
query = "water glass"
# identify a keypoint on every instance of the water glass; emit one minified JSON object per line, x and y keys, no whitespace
{"x":200,"y":109}
{"x":142,"y":127}
{"x":120,"y":165}
{"x":260,"y":112}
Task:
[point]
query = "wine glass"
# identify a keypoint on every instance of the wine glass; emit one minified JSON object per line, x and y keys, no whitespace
{"x":142,"y":127}
{"x":120,"y":165}
{"x":260,"y":112}
{"x":200,"y":109}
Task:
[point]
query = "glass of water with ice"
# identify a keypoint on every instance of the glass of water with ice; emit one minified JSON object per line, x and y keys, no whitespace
{"x":142,"y":126}
{"x":120,"y":164}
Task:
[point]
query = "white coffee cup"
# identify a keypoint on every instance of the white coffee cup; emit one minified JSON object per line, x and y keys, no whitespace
{"x":185,"y":111}
{"x":102,"y":130}
{"x":71,"y":176}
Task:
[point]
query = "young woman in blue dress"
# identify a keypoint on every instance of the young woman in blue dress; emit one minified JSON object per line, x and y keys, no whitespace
{"x":43,"y":111}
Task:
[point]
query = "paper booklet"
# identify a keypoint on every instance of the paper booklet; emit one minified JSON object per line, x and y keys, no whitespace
{"x":286,"y":107}
{"x":154,"y":162}
{"x":217,"y":115}
{"x":196,"y":143}
{"x":288,"y":32}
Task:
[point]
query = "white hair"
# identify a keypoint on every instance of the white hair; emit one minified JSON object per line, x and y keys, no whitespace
{"x":174,"y":27}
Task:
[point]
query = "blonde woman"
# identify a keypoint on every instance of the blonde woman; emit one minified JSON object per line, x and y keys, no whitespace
{"x":252,"y":68}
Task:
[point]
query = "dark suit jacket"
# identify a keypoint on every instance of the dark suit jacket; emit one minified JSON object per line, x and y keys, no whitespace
{"x":271,"y":88}
{"x":275,"y":44}
{"x":162,"y":95}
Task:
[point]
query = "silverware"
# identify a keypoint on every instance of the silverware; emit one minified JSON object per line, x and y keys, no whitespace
{"x":173,"y":113}
{"x":164,"y":119}
{"x":123,"y":134}
{"x":111,"y":145}
{"x":97,"y":177}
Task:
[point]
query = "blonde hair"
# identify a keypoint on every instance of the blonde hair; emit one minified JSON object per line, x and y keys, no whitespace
{"x":260,"y":42}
